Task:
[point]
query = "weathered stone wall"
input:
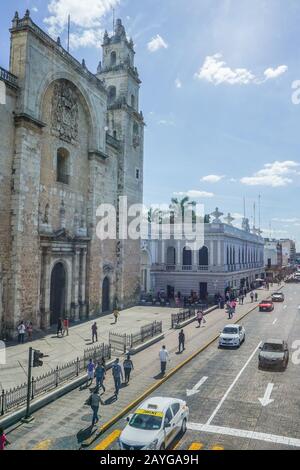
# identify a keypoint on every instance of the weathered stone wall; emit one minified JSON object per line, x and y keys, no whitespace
{"x":6,"y":156}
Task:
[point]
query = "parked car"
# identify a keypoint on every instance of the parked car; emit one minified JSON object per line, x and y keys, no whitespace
{"x":278,"y":297}
{"x":266,"y":306}
{"x":232,"y":336}
{"x":155,"y":424}
{"x":273,"y":353}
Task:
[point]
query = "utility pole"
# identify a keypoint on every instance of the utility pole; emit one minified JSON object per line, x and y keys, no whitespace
{"x":29,"y":418}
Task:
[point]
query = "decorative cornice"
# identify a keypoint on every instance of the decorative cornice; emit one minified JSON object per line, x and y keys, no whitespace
{"x":26,"y":119}
{"x":98,"y":155}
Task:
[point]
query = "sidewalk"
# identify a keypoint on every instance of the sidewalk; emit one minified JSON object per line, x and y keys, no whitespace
{"x":68,"y":348}
{"x":66,"y":422}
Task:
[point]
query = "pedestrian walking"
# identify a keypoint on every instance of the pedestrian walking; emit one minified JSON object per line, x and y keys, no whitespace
{"x":116,"y":315}
{"x":164,"y":357}
{"x":128,"y":367}
{"x":200,"y":318}
{"x":66,"y":327}
{"x":29,"y":330}
{"x":90,"y":372}
{"x":181,"y":341}
{"x":94,"y":332}
{"x":117,"y":376}
{"x":95,"y":403}
{"x":3,"y":439}
{"x":59,"y":327}
{"x":252,"y":297}
{"x":100,"y":373}
{"x":21,"y":332}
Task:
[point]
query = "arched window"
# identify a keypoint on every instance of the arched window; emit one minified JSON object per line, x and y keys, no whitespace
{"x":171,"y":256}
{"x":63,"y":166}
{"x":203,"y":256}
{"x":112,"y":94}
{"x":187,"y":257}
{"x":113,"y":58}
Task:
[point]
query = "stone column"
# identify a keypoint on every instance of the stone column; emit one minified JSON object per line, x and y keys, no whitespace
{"x":75,"y":284}
{"x":82,"y":285}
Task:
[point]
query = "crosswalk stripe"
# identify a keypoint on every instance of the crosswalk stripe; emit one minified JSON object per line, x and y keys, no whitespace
{"x":108,"y":440}
{"x":196,"y":446}
{"x":217,"y":447}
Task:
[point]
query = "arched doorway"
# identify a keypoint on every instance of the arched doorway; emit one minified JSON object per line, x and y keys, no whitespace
{"x":106,"y":295}
{"x":58,"y":293}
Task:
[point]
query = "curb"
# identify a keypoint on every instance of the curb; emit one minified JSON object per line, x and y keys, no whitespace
{"x":192,"y":319}
{"x":145,"y":394}
{"x":147,"y":344}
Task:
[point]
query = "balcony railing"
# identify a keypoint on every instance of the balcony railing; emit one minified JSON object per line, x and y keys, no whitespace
{"x":8,"y":77}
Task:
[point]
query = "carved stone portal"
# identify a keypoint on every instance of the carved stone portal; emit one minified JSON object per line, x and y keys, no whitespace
{"x":65,"y":111}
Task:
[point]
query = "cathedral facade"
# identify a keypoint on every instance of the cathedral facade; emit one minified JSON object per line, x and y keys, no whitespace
{"x":70,"y":141}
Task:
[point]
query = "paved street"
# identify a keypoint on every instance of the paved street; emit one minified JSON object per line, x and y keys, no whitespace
{"x":66,"y":423}
{"x":227,"y":413}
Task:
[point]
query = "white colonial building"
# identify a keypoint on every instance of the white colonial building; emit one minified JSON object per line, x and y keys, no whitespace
{"x":230,"y":258}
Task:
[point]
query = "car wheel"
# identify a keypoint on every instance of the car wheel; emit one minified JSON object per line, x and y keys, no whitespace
{"x":183,"y":427}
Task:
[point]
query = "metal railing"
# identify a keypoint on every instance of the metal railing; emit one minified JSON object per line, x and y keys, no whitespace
{"x":124,"y":342}
{"x":177,"y":318}
{"x":16,"y":397}
{"x":8,"y":77}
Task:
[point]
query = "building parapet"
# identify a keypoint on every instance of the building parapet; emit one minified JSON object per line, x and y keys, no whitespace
{"x":8,"y":78}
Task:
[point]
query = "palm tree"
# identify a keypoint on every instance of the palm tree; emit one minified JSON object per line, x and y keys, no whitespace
{"x":179,"y":205}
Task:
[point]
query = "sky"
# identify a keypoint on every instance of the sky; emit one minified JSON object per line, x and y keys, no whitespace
{"x":220,"y":95}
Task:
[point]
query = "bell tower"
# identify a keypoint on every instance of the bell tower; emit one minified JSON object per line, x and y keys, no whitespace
{"x":125,"y":123}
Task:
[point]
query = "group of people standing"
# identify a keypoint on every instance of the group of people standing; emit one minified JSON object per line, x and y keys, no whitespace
{"x":24,"y":328}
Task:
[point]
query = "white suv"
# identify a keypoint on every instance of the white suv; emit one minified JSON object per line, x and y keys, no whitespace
{"x":232,"y":336}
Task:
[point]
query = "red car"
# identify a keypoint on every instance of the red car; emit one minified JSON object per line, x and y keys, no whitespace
{"x":266,"y":306}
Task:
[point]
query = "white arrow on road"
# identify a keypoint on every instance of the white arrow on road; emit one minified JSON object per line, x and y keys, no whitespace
{"x":266,"y":400}
{"x":195,"y":389}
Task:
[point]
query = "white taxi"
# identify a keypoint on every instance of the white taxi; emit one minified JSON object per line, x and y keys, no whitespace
{"x":155,"y":424}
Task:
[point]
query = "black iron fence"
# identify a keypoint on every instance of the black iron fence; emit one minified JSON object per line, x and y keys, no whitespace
{"x":125,"y":342}
{"x":177,"y":318}
{"x":15,"y":397}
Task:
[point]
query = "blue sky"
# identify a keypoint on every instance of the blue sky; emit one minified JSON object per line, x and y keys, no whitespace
{"x":216,"y":95}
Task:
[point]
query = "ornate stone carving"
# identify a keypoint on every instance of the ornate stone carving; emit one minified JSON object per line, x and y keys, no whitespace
{"x":65,"y":111}
{"x":217,"y":214}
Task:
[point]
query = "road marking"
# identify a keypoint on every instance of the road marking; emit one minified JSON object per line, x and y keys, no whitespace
{"x":232,"y":385}
{"x":266,"y":400}
{"x":195,"y":389}
{"x":196,"y":446}
{"x":284,"y":307}
{"x":217,"y":447}
{"x":275,"y":321}
{"x":43,"y":445}
{"x":259,"y":436}
{"x":108,"y":440}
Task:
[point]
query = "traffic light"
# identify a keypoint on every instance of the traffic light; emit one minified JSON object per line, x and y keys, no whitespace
{"x":37,"y":356}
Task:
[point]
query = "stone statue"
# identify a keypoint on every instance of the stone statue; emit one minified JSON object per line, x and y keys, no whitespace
{"x":246,"y":225}
{"x":45,"y":219}
{"x":99,"y":68}
{"x":120,"y":30}
{"x":106,"y":38}
{"x":217,"y":214}
{"x":229,"y":219}
{"x":65,"y":111}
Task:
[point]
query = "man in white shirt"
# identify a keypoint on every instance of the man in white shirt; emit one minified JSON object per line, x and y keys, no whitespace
{"x":21,"y":332}
{"x":164,"y":357}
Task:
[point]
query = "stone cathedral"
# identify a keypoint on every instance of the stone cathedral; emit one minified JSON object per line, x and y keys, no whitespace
{"x":70,"y":140}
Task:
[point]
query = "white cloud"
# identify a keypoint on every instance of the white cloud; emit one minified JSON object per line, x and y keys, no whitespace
{"x":275,"y":174}
{"x":193,"y":193}
{"x":274,"y":73}
{"x":86,"y":18}
{"x":157,"y":43}
{"x":216,"y":71}
{"x":178,"y":83}
{"x":86,"y":38}
{"x":35,"y":9}
{"x":212,"y":178}
{"x":166,"y":122}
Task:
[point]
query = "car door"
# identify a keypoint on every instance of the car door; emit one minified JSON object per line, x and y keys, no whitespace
{"x":177,"y":416}
{"x":241,"y":334}
{"x":170,"y":430}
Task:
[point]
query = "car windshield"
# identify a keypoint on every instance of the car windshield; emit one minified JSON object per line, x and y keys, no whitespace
{"x":230,"y":330}
{"x":146,"y":422}
{"x":266,"y":302}
{"x":270,"y":347}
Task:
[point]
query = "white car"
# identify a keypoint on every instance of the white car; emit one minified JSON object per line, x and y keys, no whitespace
{"x":155,"y":424}
{"x":232,"y":336}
